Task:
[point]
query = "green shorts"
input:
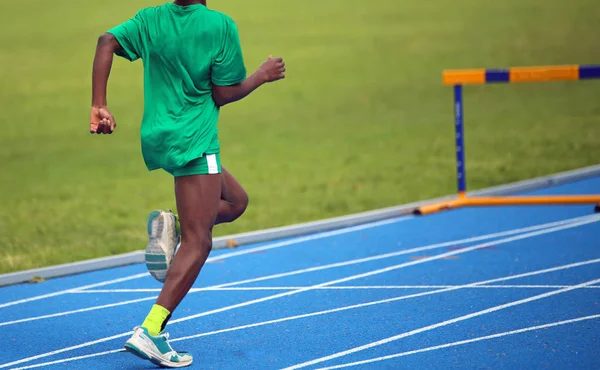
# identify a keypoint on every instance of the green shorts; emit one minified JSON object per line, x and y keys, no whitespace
{"x":209,"y":164}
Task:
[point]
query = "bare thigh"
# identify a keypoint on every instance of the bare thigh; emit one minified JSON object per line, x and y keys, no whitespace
{"x":198,"y":199}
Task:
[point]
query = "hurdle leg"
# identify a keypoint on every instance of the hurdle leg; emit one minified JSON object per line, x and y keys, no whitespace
{"x":460,"y":142}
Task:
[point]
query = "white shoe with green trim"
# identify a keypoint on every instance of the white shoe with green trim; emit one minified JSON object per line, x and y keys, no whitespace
{"x":156,"y":349}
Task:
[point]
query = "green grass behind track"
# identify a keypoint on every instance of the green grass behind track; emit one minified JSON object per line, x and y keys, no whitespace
{"x":361,"y":122}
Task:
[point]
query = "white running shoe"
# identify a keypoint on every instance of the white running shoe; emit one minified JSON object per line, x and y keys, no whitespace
{"x":156,"y":349}
{"x":163,"y":239}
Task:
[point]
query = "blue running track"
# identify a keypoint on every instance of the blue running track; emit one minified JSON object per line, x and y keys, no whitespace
{"x":475,"y":288}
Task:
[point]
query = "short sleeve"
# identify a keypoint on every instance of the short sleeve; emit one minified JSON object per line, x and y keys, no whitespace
{"x":129,"y":36}
{"x":228,"y":67}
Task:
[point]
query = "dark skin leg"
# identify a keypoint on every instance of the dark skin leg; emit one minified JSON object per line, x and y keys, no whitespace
{"x":202,"y":201}
{"x":198,"y":200}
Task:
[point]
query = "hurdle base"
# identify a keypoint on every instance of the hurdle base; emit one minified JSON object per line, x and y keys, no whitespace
{"x":508,"y":201}
{"x":440,"y":207}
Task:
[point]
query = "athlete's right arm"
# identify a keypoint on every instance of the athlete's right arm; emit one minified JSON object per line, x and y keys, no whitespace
{"x":101,"y":120}
{"x":124,"y":40}
{"x":271,"y":70}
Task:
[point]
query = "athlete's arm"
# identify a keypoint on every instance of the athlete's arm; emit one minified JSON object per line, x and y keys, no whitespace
{"x":271,"y":70}
{"x":101,"y":120}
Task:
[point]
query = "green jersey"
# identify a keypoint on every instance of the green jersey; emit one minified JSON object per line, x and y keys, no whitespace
{"x":184,"y":49}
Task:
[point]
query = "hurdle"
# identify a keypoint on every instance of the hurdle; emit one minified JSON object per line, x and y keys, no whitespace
{"x":459,"y":78}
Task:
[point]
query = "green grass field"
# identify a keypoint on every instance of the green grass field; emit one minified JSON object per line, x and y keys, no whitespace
{"x":361,"y":122}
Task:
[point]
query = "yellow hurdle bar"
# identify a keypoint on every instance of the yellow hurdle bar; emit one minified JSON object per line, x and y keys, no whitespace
{"x":508,"y":201}
{"x":519,"y":74}
{"x":464,"y":76}
{"x":544,"y":74}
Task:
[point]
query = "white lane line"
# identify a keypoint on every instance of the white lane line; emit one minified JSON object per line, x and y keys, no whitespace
{"x":223,"y":256}
{"x":394,"y":299}
{"x":453,"y":344}
{"x":452,"y":243}
{"x":61,"y":292}
{"x":71,"y":359}
{"x":341,"y":287}
{"x":398,"y":266}
{"x":318,"y":268}
{"x":345,"y":308}
{"x":320,"y":235}
{"x":284,"y":274}
{"x":333,"y":282}
{"x":29,"y":319}
{"x":467,"y":341}
{"x":442,"y":324}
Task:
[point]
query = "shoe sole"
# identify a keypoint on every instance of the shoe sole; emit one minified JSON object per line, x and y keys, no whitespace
{"x":158,"y":256}
{"x":131,"y":348}
{"x":136,"y":351}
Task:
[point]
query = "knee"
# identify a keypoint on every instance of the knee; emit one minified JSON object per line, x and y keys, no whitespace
{"x":238,"y":206}
{"x":242,"y":204}
{"x":206,"y":243}
{"x":200,"y":240}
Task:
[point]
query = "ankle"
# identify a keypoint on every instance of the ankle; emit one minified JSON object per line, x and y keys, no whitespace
{"x":156,"y":320}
